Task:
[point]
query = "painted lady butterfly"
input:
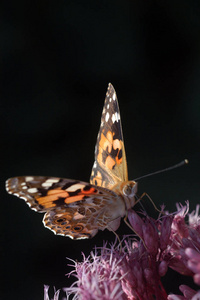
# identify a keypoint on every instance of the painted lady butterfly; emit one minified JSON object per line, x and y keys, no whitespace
{"x":77,"y":209}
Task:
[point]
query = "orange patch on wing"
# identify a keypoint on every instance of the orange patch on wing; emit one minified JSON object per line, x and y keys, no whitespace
{"x":109,"y":163}
{"x":90,"y":191}
{"x":52,"y":195}
{"x":56,"y":191}
{"x":48,"y":204}
{"x":117,"y":144}
{"x":118,"y":161}
{"x":74,"y":199}
{"x":109,"y":136}
{"x":100,"y":154}
{"x":106,"y":141}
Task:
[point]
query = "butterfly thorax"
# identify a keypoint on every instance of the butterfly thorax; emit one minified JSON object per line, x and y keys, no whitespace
{"x":127,"y":190}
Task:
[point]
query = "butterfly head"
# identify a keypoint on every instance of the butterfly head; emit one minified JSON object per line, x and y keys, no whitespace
{"x":127,"y":190}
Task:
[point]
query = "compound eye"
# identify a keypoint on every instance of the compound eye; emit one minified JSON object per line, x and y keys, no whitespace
{"x":127,"y":190}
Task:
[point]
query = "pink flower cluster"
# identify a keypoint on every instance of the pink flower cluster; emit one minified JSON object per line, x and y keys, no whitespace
{"x":133,"y":270}
{"x":184,"y":249}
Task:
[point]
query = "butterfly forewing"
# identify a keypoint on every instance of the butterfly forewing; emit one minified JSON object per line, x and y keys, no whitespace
{"x":110,"y":165}
{"x":43,"y":193}
{"x":73,"y":208}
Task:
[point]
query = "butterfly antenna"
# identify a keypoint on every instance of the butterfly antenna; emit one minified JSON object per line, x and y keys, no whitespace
{"x":182,"y":163}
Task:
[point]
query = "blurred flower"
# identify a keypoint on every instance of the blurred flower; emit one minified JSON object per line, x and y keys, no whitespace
{"x":184,"y":245}
{"x":46,"y":296}
{"x":189,"y":294}
{"x":133,"y":269}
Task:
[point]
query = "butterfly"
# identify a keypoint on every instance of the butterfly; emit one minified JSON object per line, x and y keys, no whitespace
{"x":78,"y":209}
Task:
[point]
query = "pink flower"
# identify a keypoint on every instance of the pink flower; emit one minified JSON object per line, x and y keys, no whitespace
{"x":189,"y":294}
{"x":46,"y":296}
{"x":133,"y":270}
{"x":193,"y":263}
{"x":184,"y":249}
{"x":184,"y":244}
{"x":98,"y":276}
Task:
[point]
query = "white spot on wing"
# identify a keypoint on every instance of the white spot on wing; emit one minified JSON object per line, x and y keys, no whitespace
{"x":29,"y":178}
{"x":95,"y":164}
{"x":108,"y":106}
{"x":113,"y":118}
{"x":74,"y":187}
{"x":32,"y":207}
{"x":16,"y":194}
{"x":117,"y":116}
{"x":25,"y":198}
{"x":46,"y":184}
{"x":52,"y":180}
{"x":114,"y":96}
{"x":78,"y":216}
{"x":49,"y":182}
{"x":32,"y":190}
{"x":107,"y":116}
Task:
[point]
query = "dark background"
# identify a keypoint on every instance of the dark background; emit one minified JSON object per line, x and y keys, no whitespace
{"x":57,"y":58}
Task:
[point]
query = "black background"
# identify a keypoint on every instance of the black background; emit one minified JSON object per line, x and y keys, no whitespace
{"x":57,"y":58}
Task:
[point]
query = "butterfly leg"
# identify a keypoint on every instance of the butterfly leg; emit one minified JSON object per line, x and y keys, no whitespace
{"x":129,"y":225}
{"x":117,"y":236}
{"x":145,"y":194}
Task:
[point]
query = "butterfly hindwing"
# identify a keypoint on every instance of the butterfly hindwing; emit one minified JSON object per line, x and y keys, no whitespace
{"x":110,"y":166}
{"x":83,"y":220}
